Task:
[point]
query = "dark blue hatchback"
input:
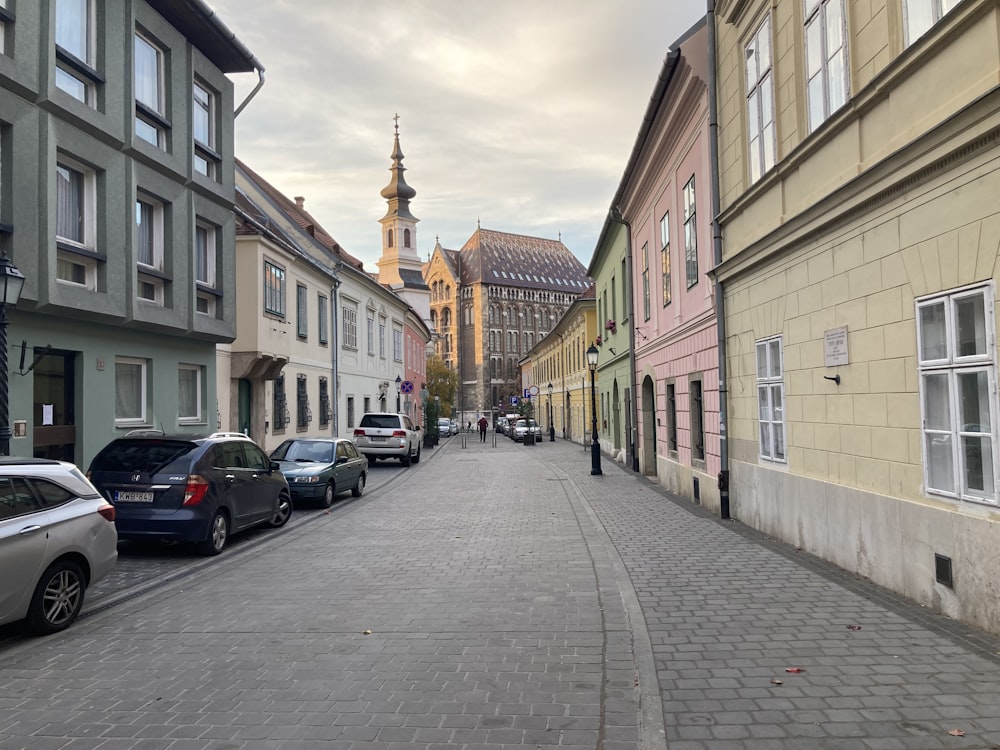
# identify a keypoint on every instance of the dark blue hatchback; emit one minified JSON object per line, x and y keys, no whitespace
{"x":190,"y":489}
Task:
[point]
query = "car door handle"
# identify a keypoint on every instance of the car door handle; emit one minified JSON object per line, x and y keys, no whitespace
{"x":230,"y":477}
{"x":29,"y":529}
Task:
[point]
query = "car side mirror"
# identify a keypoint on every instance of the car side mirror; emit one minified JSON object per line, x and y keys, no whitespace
{"x":275,"y":466}
{"x":341,"y":459}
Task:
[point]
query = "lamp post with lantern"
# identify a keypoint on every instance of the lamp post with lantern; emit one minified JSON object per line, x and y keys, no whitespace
{"x":11,"y":283}
{"x":399,"y":385}
{"x":595,"y":448}
{"x":552,"y":427}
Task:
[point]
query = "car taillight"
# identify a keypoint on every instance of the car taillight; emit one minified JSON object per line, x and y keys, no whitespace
{"x":195,"y":490}
{"x":107,"y":512}
{"x":359,"y":433}
{"x":399,"y":433}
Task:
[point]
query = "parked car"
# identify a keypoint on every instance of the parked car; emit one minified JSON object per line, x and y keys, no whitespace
{"x":444,"y":427}
{"x":385,"y":435}
{"x":318,"y":469}
{"x":57,"y":537}
{"x":190,"y":489}
{"x":453,"y":427}
{"x":523,"y":427}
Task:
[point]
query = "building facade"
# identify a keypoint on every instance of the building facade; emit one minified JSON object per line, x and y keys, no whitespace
{"x":857,"y":176}
{"x":121,"y":220}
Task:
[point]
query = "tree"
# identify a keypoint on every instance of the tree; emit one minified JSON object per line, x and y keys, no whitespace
{"x":441,"y":382}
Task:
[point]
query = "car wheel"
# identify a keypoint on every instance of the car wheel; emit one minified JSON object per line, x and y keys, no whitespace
{"x":282,"y":513}
{"x":218,"y":535}
{"x":407,"y":459}
{"x":57,"y":598}
{"x":359,"y":486}
{"x":328,"y":495}
{"x":416,"y":458}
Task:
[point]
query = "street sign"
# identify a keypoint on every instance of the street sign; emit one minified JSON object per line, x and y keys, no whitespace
{"x":513,"y":400}
{"x":532,"y":391}
{"x":406,"y":386}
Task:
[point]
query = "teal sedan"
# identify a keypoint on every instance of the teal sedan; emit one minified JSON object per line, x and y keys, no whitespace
{"x":319,"y":469}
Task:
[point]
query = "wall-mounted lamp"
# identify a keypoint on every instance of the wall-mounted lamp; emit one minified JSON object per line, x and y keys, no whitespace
{"x":835,"y":378}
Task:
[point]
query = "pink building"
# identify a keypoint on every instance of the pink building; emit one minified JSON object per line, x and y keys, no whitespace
{"x":665,"y":200}
{"x":416,"y":334}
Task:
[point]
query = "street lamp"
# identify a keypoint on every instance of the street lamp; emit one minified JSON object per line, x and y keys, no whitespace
{"x":11,"y":283}
{"x":552,"y":428}
{"x":595,"y":448}
{"x":399,"y":385}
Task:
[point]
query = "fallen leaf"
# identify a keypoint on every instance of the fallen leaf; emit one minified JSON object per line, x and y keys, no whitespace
{"x":854,"y":627}
{"x":957,"y":733}
{"x":776,"y":681}
{"x":366,"y":632}
{"x":794,"y":670}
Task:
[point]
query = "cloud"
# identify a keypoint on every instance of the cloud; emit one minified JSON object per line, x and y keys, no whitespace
{"x":519,"y":114}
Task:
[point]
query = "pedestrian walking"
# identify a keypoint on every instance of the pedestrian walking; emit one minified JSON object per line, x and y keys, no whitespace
{"x":483,"y":424}
{"x":469,"y":428}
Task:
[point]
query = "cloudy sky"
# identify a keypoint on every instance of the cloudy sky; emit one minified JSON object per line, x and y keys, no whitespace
{"x":520,"y":114}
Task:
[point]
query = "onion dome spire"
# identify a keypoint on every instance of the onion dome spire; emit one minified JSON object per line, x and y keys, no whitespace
{"x":397,"y":192}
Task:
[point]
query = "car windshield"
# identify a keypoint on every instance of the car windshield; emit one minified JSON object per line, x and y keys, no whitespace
{"x":319,"y":451}
{"x":521,"y":423}
{"x":146,"y":456}
{"x":384,"y":421}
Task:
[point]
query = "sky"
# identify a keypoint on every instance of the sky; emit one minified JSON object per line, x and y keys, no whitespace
{"x":516,"y":114}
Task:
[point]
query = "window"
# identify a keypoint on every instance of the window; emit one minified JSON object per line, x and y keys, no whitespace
{"x":350,"y":412}
{"x":323,"y":323}
{"x":206,"y":157}
{"x":771,"y":399}
{"x":130,"y":391}
{"x":371,"y":333}
{"x":381,"y":337}
{"x":665,"y":257}
{"x":645,"y":280}
{"x":301,"y":311}
{"x":697,"y":407}
{"x":826,"y":59}
{"x":406,"y":238}
{"x":690,"y":235}
{"x":274,"y":289}
{"x":76,"y":259}
{"x":302,"y":414}
{"x":325,"y":412}
{"x":672,"y":418}
{"x":760,"y":101}
{"x":280,"y":405}
{"x":389,"y":239}
{"x":957,"y":363}
{"x":149,"y":249}
{"x":150,"y":123}
{"x":75,"y":50}
{"x":205,"y":254}
{"x":397,"y":344}
{"x":189,"y":393}
{"x":350,"y":327}
{"x":6,"y":18}
{"x":921,"y":15}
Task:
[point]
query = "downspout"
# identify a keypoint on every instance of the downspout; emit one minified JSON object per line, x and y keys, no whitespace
{"x":212,"y":17}
{"x":260,"y":84}
{"x":334,"y":348}
{"x":720,"y":306}
{"x":616,"y":216}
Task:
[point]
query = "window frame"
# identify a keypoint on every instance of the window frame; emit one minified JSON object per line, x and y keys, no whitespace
{"x":142,"y":418}
{"x":205,"y":151}
{"x":275,"y":281}
{"x":74,"y":72}
{"x":670,"y":394}
{"x":150,"y":117}
{"x":301,"y":311}
{"x":322,"y":320}
{"x":199,"y":394}
{"x":325,"y":411}
{"x":151,"y":274}
{"x":350,"y":326}
{"x":696,"y":409}
{"x":371,"y":333}
{"x":303,"y":414}
{"x":937,"y":9}
{"x":665,"y":258}
{"x":771,"y":382}
{"x":206,"y":289}
{"x":397,"y":343}
{"x":816,"y":16}
{"x":690,"y":234}
{"x":279,"y":404}
{"x":645,"y":281}
{"x":79,"y":253}
{"x":760,"y":161}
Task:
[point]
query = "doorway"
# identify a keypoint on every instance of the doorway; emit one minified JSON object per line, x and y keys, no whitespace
{"x":54,"y":405}
{"x":244,"y":406}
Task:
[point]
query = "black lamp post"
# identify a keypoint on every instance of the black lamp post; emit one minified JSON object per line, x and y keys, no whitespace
{"x":11,"y":283}
{"x":399,"y":385}
{"x":595,"y":448}
{"x":552,"y":427}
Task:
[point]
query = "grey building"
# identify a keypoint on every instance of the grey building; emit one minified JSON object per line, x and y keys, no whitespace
{"x":116,"y":202}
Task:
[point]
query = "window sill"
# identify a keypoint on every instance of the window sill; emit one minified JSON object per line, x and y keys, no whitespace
{"x":80,"y":250}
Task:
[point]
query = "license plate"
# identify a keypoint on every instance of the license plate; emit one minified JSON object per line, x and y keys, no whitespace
{"x":377,"y":439}
{"x":134,"y":497}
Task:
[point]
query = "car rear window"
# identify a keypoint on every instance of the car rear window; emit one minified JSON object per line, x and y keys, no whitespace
{"x":147,"y":456}
{"x":383,"y":421}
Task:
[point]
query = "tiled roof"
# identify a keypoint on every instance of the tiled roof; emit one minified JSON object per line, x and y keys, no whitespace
{"x":503,"y":259}
{"x":412,"y":279}
{"x":300,"y":216}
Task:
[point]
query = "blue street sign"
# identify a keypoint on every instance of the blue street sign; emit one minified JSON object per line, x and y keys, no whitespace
{"x":513,"y":400}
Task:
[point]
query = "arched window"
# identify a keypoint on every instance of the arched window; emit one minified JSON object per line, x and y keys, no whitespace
{"x":446,"y":317}
{"x":389,"y":238}
{"x":406,"y":238}
{"x":434,"y":318}
{"x":447,"y":292}
{"x":506,"y":316}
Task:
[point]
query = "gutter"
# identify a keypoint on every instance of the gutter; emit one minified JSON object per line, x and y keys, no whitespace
{"x":720,"y":302}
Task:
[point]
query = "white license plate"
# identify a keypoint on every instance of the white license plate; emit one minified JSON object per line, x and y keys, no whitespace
{"x":134,"y":497}
{"x":377,"y":439}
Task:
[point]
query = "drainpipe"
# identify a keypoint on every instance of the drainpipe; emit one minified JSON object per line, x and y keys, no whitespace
{"x":212,"y":18}
{"x":334,"y":348}
{"x":720,"y":306}
{"x":616,"y":216}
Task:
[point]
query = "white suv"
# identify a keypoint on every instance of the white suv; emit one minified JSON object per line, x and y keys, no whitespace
{"x":385,"y":435}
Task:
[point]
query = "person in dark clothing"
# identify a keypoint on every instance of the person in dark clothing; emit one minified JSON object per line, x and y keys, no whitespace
{"x":483,"y":424}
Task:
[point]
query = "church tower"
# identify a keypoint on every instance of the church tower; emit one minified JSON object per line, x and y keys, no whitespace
{"x":400,"y":267}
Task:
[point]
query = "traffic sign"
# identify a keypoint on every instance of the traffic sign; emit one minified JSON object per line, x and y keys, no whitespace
{"x":513,"y":400}
{"x":406,"y":386}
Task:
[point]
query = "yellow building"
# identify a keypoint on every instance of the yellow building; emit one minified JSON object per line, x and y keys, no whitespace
{"x":858,"y":183}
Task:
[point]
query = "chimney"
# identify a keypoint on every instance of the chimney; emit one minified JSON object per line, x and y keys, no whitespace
{"x":300,"y":202}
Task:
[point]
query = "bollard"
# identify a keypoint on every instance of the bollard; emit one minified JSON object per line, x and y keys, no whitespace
{"x":463,"y":441}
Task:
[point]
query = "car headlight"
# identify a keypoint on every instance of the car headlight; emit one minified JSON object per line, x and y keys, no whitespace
{"x":307,"y":480}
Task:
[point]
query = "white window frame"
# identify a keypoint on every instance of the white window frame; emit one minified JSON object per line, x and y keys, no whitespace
{"x":150,"y":121}
{"x":761,"y":120}
{"x":4,"y":20}
{"x":690,"y":234}
{"x":771,"y":389}
{"x":397,"y":343}
{"x":205,"y":243}
{"x":645,"y":281}
{"x":949,"y":368}
{"x":149,"y":286}
{"x":323,"y":323}
{"x":826,"y":64}
{"x":381,"y":337}
{"x":141,"y":418}
{"x":198,"y":373}
{"x":350,"y":316}
{"x":371,"y":333}
{"x":920,"y":16}
{"x":275,"y":285}
{"x":665,"y":279}
{"x":86,"y":239}
{"x":74,"y":71}
{"x":204,"y":102}
{"x":301,"y":311}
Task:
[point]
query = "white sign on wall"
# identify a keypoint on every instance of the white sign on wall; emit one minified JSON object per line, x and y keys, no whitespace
{"x":835,"y":347}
